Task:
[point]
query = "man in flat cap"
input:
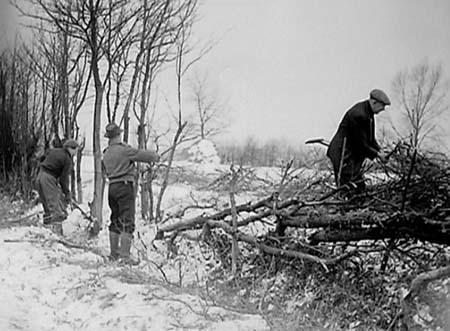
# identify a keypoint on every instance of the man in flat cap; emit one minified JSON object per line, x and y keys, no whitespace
{"x":119,"y":166}
{"x":355,"y":141}
{"x":53,"y":184}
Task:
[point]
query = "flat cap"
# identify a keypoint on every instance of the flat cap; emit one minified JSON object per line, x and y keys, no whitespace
{"x":380,"y":96}
{"x":70,"y":143}
{"x":112,"y":130}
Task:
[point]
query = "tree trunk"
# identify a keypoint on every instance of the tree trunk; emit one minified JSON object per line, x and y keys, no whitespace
{"x":79,"y":197}
{"x":97,"y":202}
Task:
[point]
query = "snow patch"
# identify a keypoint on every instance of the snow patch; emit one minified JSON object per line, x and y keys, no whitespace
{"x":204,"y":152}
{"x":48,"y":286}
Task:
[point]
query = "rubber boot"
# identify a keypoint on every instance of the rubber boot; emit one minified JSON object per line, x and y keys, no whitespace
{"x":125,"y":246}
{"x":114,"y":245}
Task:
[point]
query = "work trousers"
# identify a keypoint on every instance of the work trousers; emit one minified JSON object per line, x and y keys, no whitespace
{"x":52,"y":198}
{"x":121,"y":201}
{"x":350,"y":172}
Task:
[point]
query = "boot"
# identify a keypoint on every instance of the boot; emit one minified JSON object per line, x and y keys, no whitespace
{"x":114,"y":245}
{"x":125,"y":246}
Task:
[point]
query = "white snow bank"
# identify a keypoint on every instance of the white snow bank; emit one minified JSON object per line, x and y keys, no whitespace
{"x":204,"y":151}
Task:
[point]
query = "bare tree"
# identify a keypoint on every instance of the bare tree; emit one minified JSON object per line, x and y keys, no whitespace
{"x":167,"y":30}
{"x":180,"y":69}
{"x":185,"y":58}
{"x":18,"y":120}
{"x":109,"y":32}
{"x":104,"y":27}
{"x":155,"y":40}
{"x":210,"y":112}
{"x":61,"y":63}
{"x":421,"y":93}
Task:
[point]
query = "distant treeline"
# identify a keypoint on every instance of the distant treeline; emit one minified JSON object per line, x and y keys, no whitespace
{"x":271,"y":153}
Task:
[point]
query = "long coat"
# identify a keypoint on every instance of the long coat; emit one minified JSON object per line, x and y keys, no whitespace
{"x":354,"y":141}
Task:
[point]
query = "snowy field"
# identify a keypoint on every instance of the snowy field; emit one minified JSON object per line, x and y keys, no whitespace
{"x":48,"y":285}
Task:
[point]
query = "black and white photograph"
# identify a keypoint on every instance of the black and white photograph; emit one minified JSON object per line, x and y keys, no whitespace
{"x":224,"y":165}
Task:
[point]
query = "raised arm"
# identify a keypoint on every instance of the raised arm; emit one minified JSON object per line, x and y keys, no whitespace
{"x":142,"y":155}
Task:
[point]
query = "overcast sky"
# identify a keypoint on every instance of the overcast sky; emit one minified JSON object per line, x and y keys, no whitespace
{"x":290,"y":68}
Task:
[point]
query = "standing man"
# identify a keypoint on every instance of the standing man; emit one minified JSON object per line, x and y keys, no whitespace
{"x":53,"y":184}
{"x":119,"y":166}
{"x":355,"y":141}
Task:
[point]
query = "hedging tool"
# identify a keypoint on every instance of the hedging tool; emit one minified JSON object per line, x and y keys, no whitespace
{"x":93,"y":227}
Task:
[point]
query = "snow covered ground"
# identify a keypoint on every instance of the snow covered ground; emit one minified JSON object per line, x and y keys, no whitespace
{"x":48,"y":285}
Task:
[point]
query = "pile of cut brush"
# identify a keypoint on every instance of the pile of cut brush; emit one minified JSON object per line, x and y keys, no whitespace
{"x":412,"y":201}
{"x":409,"y":200}
{"x":305,"y":236}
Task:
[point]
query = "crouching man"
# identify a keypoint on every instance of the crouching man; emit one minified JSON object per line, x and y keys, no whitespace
{"x":53,"y":184}
{"x":119,"y":166}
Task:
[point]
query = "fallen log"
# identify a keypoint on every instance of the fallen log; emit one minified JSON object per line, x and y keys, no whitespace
{"x":330,"y":221}
{"x":400,"y":230}
{"x":197,"y":222}
{"x":337,"y":227}
{"x":348,"y":235}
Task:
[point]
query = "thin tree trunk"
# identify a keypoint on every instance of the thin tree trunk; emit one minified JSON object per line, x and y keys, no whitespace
{"x":234,"y":242}
{"x":97,"y":202}
{"x":78,"y":172}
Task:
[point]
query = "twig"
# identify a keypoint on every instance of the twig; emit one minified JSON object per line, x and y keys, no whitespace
{"x":392,"y":241}
{"x":203,"y":313}
{"x":267,"y":249}
{"x":234,"y":242}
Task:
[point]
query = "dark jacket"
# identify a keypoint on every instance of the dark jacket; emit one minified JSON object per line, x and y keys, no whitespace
{"x":58,"y":163}
{"x":118,"y":161}
{"x":358,"y":128}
